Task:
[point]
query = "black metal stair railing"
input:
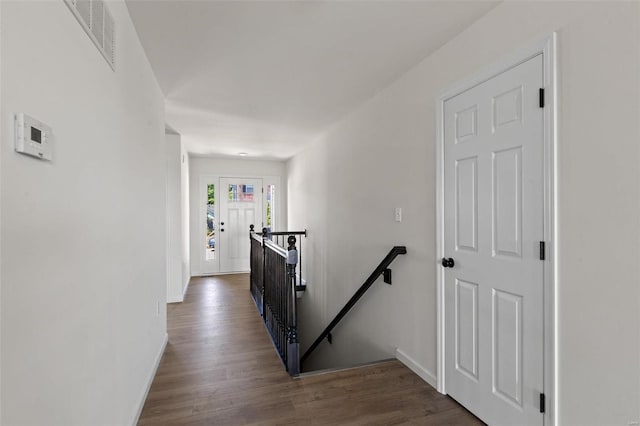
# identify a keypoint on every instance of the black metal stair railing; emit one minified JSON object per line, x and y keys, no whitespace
{"x":257,"y":270}
{"x":273,"y":285}
{"x":381,"y":269}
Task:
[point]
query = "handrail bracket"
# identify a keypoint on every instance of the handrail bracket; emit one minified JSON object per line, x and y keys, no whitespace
{"x":386,"y":274}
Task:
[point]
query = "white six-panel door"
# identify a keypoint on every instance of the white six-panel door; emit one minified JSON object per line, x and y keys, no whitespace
{"x":240,"y":206}
{"x":493,"y":226}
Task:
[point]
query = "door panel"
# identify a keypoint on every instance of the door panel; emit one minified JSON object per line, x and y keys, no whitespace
{"x":493,"y":201}
{"x":507,"y":346}
{"x":467,"y":328}
{"x":507,"y":108}
{"x":231,"y":244}
{"x":507,"y":202}
{"x":466,"y":204}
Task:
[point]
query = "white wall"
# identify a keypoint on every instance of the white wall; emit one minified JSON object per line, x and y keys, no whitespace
{"x":345,"y":186}
{"x":83,"y":237}
{"x":184,"y":210}
{"x":206,"y":166}
{"x":174,"y":218}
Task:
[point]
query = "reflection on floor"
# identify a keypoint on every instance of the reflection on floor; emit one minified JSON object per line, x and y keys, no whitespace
{"x":221,"y":368}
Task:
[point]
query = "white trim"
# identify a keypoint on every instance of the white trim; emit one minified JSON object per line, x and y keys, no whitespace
{"x":174,"y":299}
{"x":150,"y":378}
{"x":186,"y":287}
{"x":550,"y":229}
{"x":217,"y":274}
{"x":1,"y":125}
{"x":340,"y":369}
{"x":440,"y":302}
{"x":547,"y":47}
{"x":412,"y":365}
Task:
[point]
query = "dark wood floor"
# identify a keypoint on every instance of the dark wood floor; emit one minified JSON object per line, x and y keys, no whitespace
{"x":221,"y":368}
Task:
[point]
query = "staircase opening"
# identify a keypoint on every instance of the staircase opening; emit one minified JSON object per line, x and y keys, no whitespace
{"x":276,"y":285}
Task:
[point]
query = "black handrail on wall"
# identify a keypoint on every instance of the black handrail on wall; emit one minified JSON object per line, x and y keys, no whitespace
{"x":381,"y":269}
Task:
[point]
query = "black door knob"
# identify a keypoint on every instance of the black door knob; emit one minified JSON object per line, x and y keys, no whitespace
{"x":448,"y":263}
{"x":221,"y":229}
{"x":222,"y":223}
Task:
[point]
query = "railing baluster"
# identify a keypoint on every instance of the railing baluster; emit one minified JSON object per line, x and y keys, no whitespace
{"x":264,"y":271}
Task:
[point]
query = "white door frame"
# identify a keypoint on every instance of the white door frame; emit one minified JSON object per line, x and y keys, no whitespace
{"x":546,"y":47}
{"x":202,"y":201}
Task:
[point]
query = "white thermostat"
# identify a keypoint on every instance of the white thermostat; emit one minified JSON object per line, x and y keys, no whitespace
{"x":33,"y":137}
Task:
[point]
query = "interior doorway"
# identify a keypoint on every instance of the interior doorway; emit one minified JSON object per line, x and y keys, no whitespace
{"x":497,"y":240}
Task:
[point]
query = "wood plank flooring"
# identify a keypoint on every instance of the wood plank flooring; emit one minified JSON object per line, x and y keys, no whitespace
{"x":220,"y":368}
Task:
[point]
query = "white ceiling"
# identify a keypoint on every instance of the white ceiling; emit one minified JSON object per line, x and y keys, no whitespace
{"x":267,"y":77}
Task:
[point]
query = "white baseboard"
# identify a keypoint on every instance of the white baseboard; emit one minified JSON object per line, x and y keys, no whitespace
{"x":174,"y":299}
{"x":337,"y":370}
{"x":186,"y":286}
{"x":424,"y":374}
{"x":178,"y":298}
{"x":215,"y":274}
{"x":152,"y":375}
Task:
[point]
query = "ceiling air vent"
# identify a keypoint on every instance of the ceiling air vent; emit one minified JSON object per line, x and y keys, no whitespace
{"x":96,"y":20}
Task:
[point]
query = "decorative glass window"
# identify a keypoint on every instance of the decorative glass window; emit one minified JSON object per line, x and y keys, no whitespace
{"x":240,"y":193}
{"x":210,"y":239}
{"x":271,"y":207}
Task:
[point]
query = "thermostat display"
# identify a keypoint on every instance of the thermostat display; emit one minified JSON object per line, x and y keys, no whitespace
{"x":36,"y":135}
{"x":33,"y":137}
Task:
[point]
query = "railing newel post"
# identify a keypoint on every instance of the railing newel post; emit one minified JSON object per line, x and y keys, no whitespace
{"x":251,"y":273}
{"x":264,"y":272}
{"x":292,"y":330}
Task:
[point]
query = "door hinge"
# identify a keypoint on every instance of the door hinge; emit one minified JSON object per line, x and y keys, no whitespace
{"x":263,"y":189}
{"x":542,"y":250}
{"x":542,"y":403}
{"x":541,"y":95}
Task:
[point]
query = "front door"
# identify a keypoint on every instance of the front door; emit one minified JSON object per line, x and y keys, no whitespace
{"x":240,"y":206}
{"x":493,"y":226}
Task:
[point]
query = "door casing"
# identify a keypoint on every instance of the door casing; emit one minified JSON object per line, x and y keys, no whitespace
{"x":200,"y":226}
{"x":546,"y":47}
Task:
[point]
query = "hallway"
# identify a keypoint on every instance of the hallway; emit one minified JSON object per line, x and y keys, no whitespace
{"x":221,"y":368}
